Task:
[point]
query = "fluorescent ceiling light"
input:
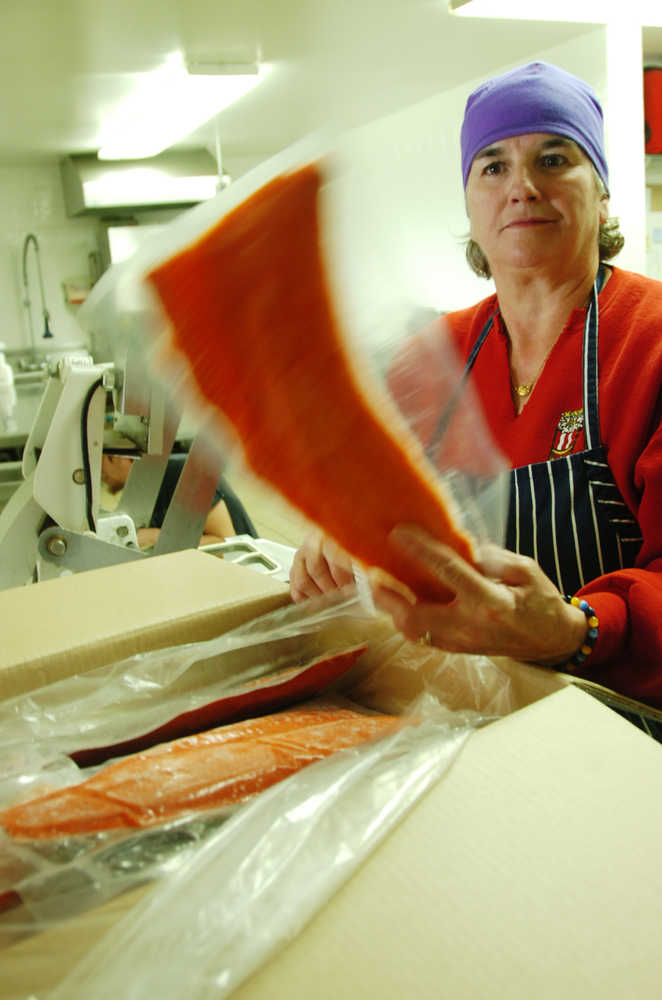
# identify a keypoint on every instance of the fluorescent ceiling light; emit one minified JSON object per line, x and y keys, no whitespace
{"x":148,"y":186}
{"x":645,"y":12}
{"x":170,"y":103}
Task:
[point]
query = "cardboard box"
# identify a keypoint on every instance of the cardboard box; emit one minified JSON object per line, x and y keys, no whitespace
{"x":530,"y":870}
{"x":76,"y":623}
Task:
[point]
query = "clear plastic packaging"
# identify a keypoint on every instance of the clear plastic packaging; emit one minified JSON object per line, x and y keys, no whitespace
{"x":257,"y":881}
{"x":239,"y":886}
{"x":116,"y":702}
{"x":45,"y":882}
{"x":375,"y":310}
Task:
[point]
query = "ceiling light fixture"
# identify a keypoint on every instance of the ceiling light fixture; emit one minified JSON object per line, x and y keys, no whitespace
{"x":645,"y":12}
{"x":172,"y":102}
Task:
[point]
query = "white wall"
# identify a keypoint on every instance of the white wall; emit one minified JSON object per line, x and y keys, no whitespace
{"x":403,"y":222}
{"x":31,"y":201}
{"x":625,"y":137}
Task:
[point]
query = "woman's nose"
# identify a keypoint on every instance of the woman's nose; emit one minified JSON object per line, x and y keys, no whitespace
{"x":522,"y":185}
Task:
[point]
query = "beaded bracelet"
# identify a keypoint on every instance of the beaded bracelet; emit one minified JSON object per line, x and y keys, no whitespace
{"x":592,"y":623}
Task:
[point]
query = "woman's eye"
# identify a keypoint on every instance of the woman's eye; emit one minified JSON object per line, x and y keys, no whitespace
{"x":495,"y":167}
{"x":553,"y":160}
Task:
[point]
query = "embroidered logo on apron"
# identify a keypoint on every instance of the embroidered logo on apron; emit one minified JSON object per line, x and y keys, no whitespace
{"x":570,"y":424}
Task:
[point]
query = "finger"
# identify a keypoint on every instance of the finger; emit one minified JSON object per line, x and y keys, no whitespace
{"x":413,"y":621}
{"x":339,"y":565}
{"x":320,"y":573}
{"x":340,"y":576}
{"x":319,"y":566}
{"x":303,"y":592}
{"x":503,"y":565}
{"x":389,"y":600}
{"x":395,"y":605}
{"x":299,"y":594}
{"x":446,"y":564}
{"x":302,"y":585}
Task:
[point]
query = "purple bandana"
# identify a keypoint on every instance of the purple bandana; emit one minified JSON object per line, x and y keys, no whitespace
{"x":534,"y":98}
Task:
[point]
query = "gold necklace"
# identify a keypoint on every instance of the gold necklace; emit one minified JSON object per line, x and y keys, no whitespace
{"x":523,"y":390}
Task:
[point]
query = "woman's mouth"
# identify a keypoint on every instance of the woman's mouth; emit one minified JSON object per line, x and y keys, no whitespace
{"x":527,"y":223}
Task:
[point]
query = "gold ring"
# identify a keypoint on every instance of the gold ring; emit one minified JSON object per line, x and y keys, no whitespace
{"x":424,"y":640}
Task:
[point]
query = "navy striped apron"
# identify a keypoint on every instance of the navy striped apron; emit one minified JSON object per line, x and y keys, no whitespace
{"x":567,"y":513}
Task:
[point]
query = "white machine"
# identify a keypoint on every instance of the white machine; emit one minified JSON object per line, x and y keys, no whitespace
{"x":52,"y":523}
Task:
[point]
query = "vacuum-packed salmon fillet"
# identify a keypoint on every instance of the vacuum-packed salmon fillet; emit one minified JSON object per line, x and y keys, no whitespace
{"x":252,"y":312}
{"x":262,"y":695}
{"x":221,"y":767}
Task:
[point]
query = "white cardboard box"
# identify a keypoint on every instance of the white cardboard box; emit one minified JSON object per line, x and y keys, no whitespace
{"x":75,"y":623}
{"x":530,"y":871}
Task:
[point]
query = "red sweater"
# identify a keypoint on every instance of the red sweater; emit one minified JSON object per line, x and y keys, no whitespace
{"x":628,"y":654}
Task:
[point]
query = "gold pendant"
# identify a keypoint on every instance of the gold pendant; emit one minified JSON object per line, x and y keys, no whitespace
{"x":523,"y":390}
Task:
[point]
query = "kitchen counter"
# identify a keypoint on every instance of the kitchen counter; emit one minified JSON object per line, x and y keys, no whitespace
{"x":29,"y":390}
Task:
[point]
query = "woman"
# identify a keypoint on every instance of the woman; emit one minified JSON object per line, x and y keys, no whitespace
{"x":586,"y":453}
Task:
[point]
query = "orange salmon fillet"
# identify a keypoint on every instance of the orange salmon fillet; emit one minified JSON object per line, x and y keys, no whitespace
{"x":251,"y":311}
{"x":263,"y":695}
{"x":218,"y":768}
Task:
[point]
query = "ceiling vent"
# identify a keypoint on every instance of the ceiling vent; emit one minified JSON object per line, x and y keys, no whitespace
{"x":173,"y":178}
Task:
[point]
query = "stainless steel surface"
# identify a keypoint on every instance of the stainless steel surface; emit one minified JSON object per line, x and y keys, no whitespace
{"x":191,"y":500}
{"x":77,"y":553}
{"x":260,"y":554}
{"x":144,"y":482}
{"x":56,"y":545}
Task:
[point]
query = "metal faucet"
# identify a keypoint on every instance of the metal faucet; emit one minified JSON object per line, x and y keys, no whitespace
{"x":31,"y":238}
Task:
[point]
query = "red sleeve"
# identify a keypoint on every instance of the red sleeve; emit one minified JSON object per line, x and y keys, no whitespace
{"x":628,"y":603}
{"x":628,"y":654}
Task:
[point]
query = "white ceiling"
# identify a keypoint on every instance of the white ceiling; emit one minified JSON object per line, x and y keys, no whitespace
{"x":64,"y":64}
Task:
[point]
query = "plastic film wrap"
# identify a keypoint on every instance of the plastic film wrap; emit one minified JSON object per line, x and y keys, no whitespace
{"x":225,"y":348}
{"x":122,"y":701}
{"x":240,"y":886}
{"x":115,"y":702}
{"x":258,"y":880}
{"x":53,"y":879}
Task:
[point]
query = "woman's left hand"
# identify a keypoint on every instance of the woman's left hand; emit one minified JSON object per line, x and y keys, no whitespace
{"x":503,"y":606}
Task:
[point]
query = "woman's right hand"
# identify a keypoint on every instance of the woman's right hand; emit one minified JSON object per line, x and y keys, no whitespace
{"x":320,"y":565}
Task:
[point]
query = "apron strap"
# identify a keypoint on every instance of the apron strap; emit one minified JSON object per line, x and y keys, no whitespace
{"x":590,"y":364}
{"x":590,"y":370}
{"x":432,"y":448}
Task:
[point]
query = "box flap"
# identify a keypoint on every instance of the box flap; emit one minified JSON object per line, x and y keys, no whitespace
{"x":516,"y":876}
{"x":61,"y":627}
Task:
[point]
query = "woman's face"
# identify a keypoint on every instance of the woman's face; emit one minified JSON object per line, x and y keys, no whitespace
{"x":533,"y":202}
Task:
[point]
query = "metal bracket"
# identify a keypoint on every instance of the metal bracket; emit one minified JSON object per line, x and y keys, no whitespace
{"x":72,"y":551}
